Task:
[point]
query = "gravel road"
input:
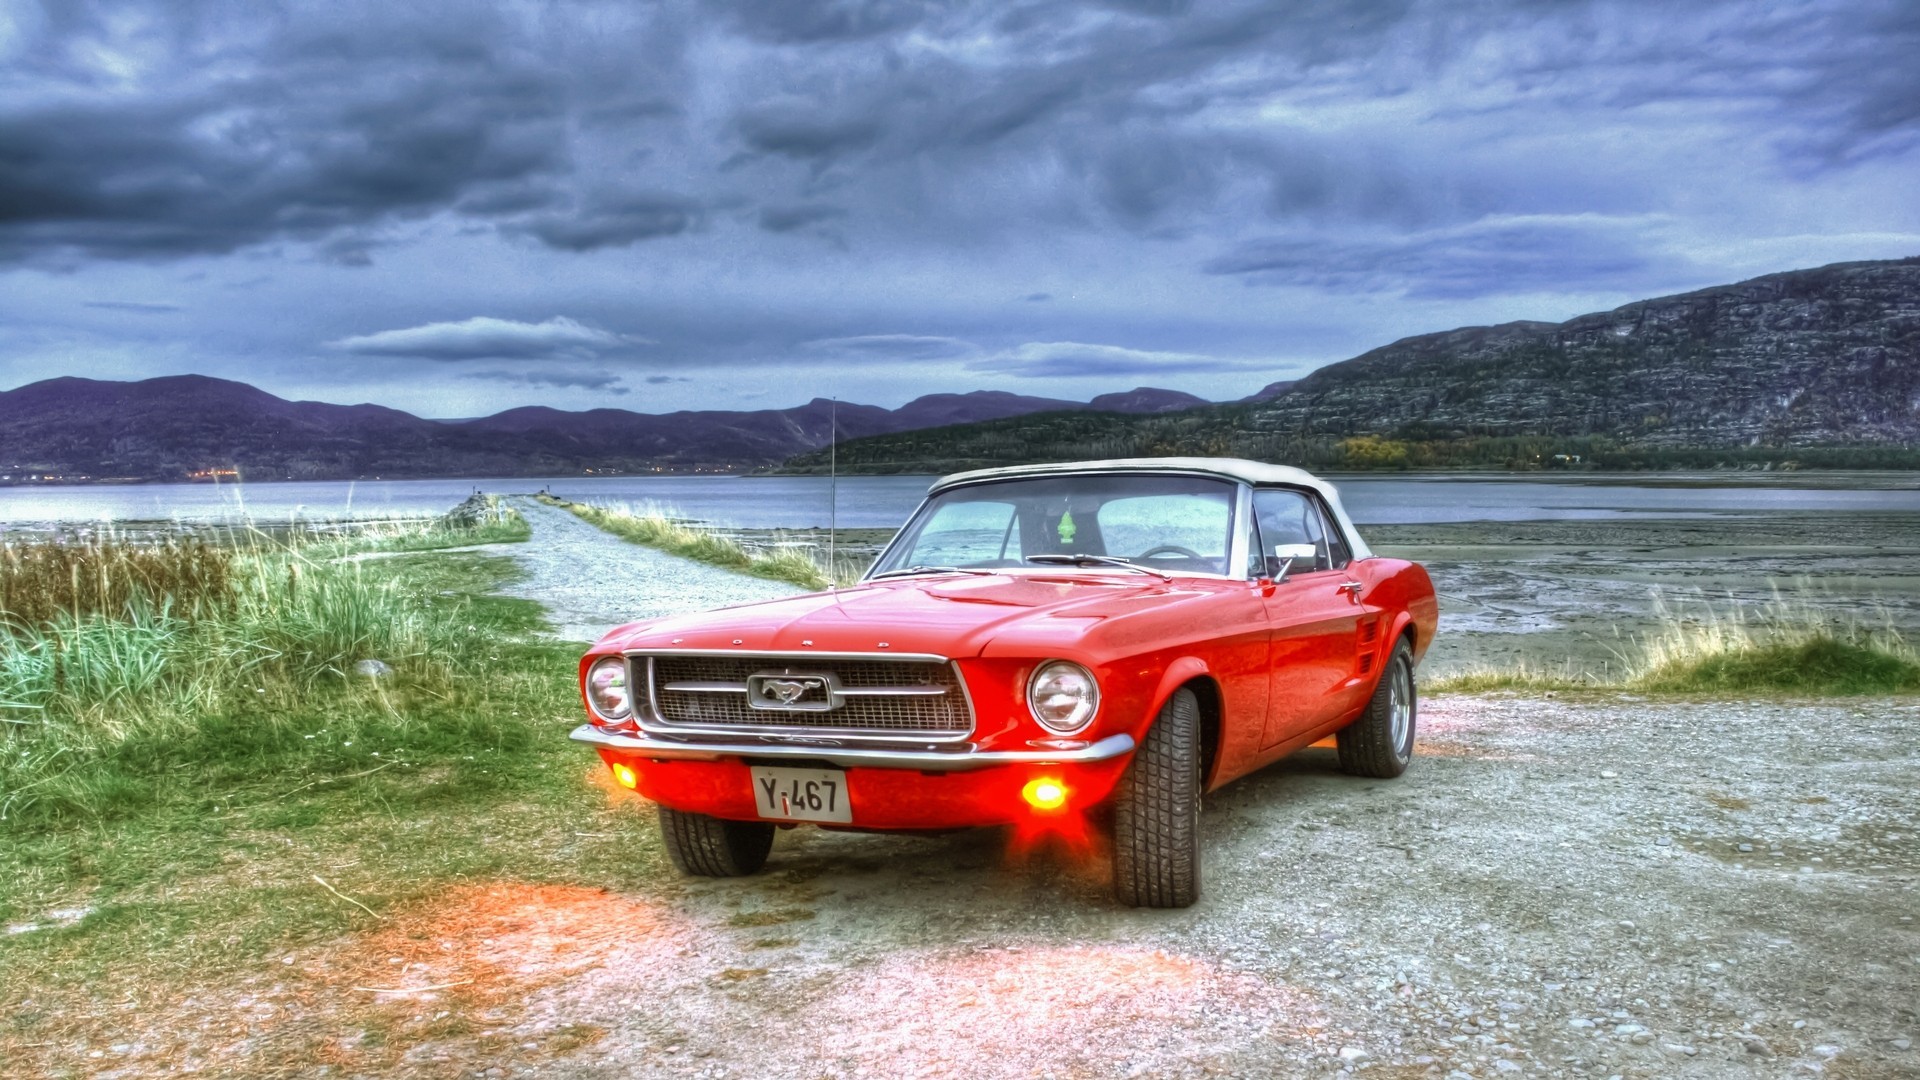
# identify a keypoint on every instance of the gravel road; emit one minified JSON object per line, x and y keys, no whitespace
{"x":590,"y":581}
{"x":1569,"y":888}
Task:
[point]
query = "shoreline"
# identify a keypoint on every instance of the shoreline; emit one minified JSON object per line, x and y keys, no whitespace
{"x":1683,"y":476}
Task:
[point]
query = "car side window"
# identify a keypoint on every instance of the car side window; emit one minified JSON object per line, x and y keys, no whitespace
{"x":1337,"y":554}
{"x":1289,"y":525}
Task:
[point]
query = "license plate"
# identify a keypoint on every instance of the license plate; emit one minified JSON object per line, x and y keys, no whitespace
{"x":802,"y":794}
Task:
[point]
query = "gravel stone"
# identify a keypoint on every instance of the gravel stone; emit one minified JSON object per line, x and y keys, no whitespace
{"x":1530,"y":897}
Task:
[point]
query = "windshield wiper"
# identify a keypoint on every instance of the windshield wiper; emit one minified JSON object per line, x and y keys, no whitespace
{"x":1096,"y":560}
{"x":906,"y":570}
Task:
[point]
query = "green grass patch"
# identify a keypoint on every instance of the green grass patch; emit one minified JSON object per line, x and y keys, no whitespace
{"x":160,"y":852}
{"x":657,"y":527}
{"x":1518,"y":677}
{"x":1823,"y":665}
{"x":1791,"y":645}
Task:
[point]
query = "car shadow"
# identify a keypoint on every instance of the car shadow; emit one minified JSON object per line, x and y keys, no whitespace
{"x":989,"y":875}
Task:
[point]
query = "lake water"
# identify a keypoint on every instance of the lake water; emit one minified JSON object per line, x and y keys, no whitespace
{"x":885,"y":501}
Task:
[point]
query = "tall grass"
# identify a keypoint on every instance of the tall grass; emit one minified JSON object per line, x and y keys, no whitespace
{"x":42,"y":581}
{"x":657,"y":526}
{"x":1792,"y":643}
{"x":1789,"y":644}
{"x":154,"y":645}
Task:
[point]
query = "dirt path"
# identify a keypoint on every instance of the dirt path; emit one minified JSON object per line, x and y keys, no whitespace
{"x":590,"y":580}
{"x":1596,"y":888}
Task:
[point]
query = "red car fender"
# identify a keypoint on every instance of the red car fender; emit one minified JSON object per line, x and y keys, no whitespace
{"x":1392,"y":637}
{"x":1176,"y":675}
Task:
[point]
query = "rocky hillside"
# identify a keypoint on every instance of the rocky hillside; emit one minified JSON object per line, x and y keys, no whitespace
{"x":1814,"y":366}
{"x":1811,"y":357}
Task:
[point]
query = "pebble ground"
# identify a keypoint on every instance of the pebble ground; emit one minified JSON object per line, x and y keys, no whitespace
{"x":1602,"y":887}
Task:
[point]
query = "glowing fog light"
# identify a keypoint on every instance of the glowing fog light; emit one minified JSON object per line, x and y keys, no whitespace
{"x":1062,"y":696}
{"x":623,"y":775}
{"x":1045,"y":793}
{"x":607,"y":688}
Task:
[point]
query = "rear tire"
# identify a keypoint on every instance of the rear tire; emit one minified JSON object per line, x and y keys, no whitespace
{"x":714,"y":847}
{"x":1380,"y":743}
{"x":1156,"y":815}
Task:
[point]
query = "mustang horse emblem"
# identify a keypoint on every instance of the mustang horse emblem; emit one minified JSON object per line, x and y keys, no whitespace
{"x":788,"y":691}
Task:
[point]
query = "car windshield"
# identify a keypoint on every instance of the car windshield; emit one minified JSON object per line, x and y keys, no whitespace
{"x":1166,"y":524}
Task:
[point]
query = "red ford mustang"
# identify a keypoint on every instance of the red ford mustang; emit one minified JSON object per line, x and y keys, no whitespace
{"x":1098,"y":642}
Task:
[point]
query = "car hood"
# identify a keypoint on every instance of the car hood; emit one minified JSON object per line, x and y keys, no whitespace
{"x":947,"y":615}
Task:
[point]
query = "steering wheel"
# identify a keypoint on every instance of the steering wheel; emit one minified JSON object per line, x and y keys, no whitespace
{"x":1169,"y":549}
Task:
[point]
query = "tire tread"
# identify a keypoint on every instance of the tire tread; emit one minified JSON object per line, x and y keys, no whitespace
{"x":1156,"y":846}
{"x":708,"y":846}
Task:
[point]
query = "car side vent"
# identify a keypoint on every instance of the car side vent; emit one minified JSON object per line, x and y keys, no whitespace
{"x":1366,"y":663}
{"x":1369,"y":630}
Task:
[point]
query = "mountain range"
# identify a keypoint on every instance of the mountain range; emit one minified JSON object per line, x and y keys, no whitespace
{"x":1812,"y":367}
{"x":174,"y":427}
{"x":1808,"y":367}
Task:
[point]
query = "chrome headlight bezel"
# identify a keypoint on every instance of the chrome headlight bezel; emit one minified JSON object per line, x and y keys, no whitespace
{"x":1054,"y":677}
{"x":622,"y":687}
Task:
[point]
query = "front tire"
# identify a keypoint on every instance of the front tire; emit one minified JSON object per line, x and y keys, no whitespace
{"x":1380,"y":743}
{"x":707,"y":846}
{"x":1156,"y":815}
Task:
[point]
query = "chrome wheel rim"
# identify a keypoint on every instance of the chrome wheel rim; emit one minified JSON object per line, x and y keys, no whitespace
{"x":1400,"y":709}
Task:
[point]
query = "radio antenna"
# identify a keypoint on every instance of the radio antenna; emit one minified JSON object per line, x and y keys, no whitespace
{"x":833,"y":489}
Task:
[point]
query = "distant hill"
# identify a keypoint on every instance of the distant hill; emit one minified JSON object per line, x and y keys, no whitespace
{"x":1145,"y":399}
{"x":1809,"y":367}
{"x":170,"y":428}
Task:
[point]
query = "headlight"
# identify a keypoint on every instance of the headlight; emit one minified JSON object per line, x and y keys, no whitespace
{"x":607,"y":688}
{"x":1062,"y":696}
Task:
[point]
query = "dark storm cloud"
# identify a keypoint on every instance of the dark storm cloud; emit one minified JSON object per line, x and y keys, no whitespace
{"x":1501,"y":256}
{"x":239,"y":130}
{"x":790,"y":217}
{"x":612,"y":221}
{"x":136,"y":306}
{"x":791,"y":22}
{"x":323,"y":133}
{"x":799,"y":129}
{"x":483,"y":338}
{"x":605,"y":382}
{"x":794,"y":183}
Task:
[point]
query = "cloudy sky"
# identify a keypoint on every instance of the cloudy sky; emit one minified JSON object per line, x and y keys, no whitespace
{"x":454,"y":208}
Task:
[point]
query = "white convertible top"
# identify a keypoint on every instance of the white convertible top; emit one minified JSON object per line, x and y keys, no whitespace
{"x":1250,"y":472}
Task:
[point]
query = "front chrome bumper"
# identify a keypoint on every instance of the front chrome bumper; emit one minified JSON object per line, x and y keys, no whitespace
{"x":853,"y":757}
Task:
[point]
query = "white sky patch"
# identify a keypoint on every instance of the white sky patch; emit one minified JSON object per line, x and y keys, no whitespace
{"x":892,"y":346}
{"x":1074,"y":359}
{"x":486,"y":338}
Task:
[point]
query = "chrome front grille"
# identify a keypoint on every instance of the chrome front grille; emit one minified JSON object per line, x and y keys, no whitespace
{"x":915,"y":698}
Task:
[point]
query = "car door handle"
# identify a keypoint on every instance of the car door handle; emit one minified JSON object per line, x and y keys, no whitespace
{"x":1352,"y":589}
